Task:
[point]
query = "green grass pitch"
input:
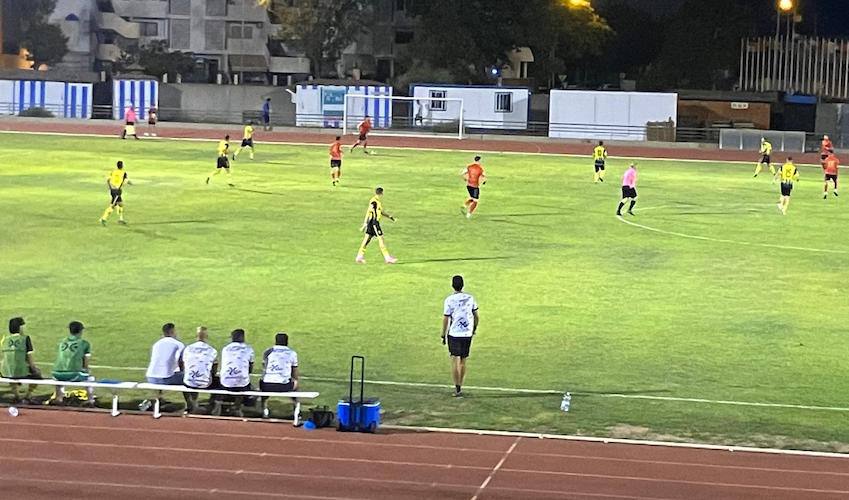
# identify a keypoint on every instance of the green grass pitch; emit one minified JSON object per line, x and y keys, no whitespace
{"x":741,"y":304}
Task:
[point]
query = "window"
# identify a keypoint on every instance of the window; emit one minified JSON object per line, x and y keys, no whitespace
{"x":148,"y":29}
{"x":180,"y":35}
{"x":403,"y":37}
{"x":180,"y":7}
{"x":437,"y":105}
{"x":503,"y":102}
{"x":216,"y":8}
{"x":236,"y":31}
{"x":214,"y":35}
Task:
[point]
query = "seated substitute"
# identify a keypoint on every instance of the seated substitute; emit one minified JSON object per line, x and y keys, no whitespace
{"x":164,"y":366}
{"x":72,"y":362}
{"x":237,"y":363}
{"x":16,"y":361}
{"x":199,"y":362}
{"x":279,"y":370}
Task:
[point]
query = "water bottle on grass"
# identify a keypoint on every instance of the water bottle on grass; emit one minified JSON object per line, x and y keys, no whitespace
{"x":566,"y":403}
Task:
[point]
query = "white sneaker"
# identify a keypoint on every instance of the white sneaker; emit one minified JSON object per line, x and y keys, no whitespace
{"x":468,"y":215}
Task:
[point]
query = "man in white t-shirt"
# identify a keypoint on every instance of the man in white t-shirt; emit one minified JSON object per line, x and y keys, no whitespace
{"x":237,"y":363}
{"x":459,"y":325}
{"x":279,"y":369}
{"x":164,"y":366}
{"x":199,"y":363}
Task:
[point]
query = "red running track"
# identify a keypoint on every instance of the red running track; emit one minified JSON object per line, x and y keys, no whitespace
{"x":493,"y":143}
{"x":49,"y":454}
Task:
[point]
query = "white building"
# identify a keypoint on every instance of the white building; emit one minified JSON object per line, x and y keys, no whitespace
{"x":484,"y":106}
{"x":588,"y":114}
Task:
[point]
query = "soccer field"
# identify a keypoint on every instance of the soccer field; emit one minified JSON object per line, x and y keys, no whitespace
{"x":713,"y":296}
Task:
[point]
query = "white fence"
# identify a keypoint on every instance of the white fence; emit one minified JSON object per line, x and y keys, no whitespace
{"x":584,"y":114}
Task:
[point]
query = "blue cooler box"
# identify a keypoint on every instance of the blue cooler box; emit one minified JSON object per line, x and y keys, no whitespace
{"x":358,"y":417}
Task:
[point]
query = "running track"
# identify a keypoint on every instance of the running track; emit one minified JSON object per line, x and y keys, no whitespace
{"x":49,"y":454}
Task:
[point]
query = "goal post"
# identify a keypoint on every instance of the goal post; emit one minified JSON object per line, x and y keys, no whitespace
{"x":405,"y":116}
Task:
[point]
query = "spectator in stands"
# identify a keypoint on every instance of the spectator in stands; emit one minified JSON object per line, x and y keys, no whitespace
{"x":237,"y":363}
{"x":266,"y":114}
{"x":164,"y":366}
{"x":16,"y":361}
{"x":72,"y":362}
{"x":199,"y":361}
{"x":279,"y":369}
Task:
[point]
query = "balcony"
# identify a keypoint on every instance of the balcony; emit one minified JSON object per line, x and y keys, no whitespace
{"x":108,"y":52}
{"x":290,"y":65}
{"x":135,"y":8}
{"x":108,"y":21}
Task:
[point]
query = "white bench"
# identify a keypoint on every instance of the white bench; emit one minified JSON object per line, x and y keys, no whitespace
{"x":112,"y":387}
{"x":297,"y":396}
{"x":118,"y":386}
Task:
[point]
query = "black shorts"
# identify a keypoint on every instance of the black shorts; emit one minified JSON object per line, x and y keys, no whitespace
{"x":115,"y":194}
{"x":130,"y":123}
{"x":363,"y":137}
{"x":151,"y":122}
{"x":335,"y":163}
{"x":223,"y":162}
{"x":459,"y":346}
{"x":629,"y":192}
{"x":474,"y":192}
{"x":274,"y":387}
{"x":247,"y":143}
{"x":373,"y":228}
{"x":599,"y":165}
{"x":831,"y":177}
{"x":237,"y":389}
{"x":786,"y":188}
{"x":766,"y":159}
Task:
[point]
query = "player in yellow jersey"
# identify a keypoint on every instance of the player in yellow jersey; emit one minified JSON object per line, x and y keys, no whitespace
{"x":766,"y":151}
{"x":599,"y":156}
{"x":223,"y":161}
{"x":247,"y":140}
{"x":788,"y":175}
{"x":116,"y":181}
{"x":371,"y":226}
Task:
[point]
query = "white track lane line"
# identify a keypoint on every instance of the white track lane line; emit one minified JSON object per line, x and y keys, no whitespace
{"x":496,"y":468}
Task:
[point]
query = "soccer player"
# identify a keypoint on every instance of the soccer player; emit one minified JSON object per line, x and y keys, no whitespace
{"x":766,"y":151}
{"x":459,"y":325}
{"x":831,"y":167}
{"x":599,"y":155}
{"x":116,"y":181}
{"x":336,"y":161}
{"x":826,"y":148}
{"x":629,"y":190}
{"x":223,"y":162}
{"x":129,"y":122}
{"x":788,"y":175}
{"x":16,"y":358}
{"x":247,"y":140}
{"x":474,"y":175}
{"x":151,"y":121}
{"x":371,"y":226}
{"x":364,"y":127}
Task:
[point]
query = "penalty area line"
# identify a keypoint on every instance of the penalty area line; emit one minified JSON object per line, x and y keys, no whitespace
{"x":553,"y":392}
{"x":727,"y":241}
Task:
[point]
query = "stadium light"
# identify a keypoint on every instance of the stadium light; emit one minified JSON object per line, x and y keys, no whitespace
{"x":579,"y":4}
{"x":785,"y":5}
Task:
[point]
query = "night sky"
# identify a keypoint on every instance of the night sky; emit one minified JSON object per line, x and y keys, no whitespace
{"x":826,"y":17}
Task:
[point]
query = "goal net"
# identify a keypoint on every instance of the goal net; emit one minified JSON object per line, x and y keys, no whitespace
{"x":405,"y":116}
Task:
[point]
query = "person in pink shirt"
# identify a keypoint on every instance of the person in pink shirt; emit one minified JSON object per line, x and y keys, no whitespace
{"x":629,"y":190}
{"x":130,"y":122}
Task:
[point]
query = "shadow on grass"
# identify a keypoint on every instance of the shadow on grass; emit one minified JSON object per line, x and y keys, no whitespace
{"x":171,"y":222}
{"x":257,"y":191}
{"x":151,"y":234}
{"x":452,"y":259}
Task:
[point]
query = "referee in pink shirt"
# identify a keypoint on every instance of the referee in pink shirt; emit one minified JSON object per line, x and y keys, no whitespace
{"x":629,"y":190}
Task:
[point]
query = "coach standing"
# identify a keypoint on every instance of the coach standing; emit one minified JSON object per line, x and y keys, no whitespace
{"x":266,"y":114}
{"x":459,"y":324}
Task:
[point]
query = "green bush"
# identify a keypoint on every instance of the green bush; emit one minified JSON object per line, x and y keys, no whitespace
{"x":37,"y":113}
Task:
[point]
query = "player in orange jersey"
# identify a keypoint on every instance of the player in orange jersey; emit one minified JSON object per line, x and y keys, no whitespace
{"x":336,"y":161}
{"x":826,"y":149}
{"x":475,"y":177}
{"x":364,"y":127}
{"x":831,"y":167}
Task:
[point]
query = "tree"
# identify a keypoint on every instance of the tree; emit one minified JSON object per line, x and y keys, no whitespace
{"x":637,"y":41}
{"x":324,"y":28}
{"x":467,"y":37}
{"x":156,"y":59}
{"x":45,"y":42}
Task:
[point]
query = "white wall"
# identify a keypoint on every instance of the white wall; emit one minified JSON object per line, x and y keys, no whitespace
{"x":323,"y":105}
{"x":478,"y":106}
{"x":63,"y":99}
{"x":141,"y":94}
{"x":583,"y":114}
